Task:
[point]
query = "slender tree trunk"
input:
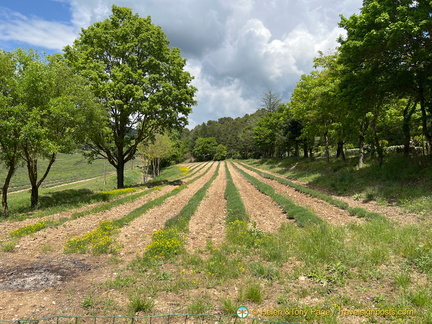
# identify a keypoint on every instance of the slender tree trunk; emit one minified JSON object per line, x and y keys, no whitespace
{"x":5,"y":189}
{"x":327,"y":150}
{"x":426,"y":132}
{"x":297,"y":149}
{"x":305,"y":149}
{"x":33,"y":176}
{"x":407,"y":114}
{"x":361,"y":151}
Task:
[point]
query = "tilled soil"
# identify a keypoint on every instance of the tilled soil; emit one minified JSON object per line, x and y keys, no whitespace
{"x":322,"y":209}
{"x":37,"y":280}
{"x":262,"y":210}
{"x":394,"y":213}
{"x":137,"y":234}
{"x":208,"y":222}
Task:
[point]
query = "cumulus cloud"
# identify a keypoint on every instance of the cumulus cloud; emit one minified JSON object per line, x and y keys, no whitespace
{"x":236,"y":49}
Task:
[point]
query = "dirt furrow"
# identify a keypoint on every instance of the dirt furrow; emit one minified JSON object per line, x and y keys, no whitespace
{"x":137,"y":234}
{"x":322,"y":209}
{"x":261,"y":209}
{"x":208,"y":222}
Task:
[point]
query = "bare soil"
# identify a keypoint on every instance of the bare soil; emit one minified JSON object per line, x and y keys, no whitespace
{"x":208,"y":222}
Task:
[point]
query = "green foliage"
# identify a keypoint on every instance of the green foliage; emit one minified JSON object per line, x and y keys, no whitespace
{"x":166,"y":244}
{"x":205,"y":148}
{"x":45,"y":109}
{"x":140,"y":81}
{"x":98,"y":241}
{"x":30,"y":229}
{"x":235,"y":207}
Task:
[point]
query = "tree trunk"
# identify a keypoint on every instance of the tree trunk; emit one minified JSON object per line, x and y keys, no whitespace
{"x":361,"y":151}
{"x":340,"y":151}
{"x":120,"y":173}
{"x":426,"y":132}
{"x":33,"y":176}
{"x":5,"y":189}
{"x":407,"y":114}
{"x":305,"y":149}
{"x":327,"y":150}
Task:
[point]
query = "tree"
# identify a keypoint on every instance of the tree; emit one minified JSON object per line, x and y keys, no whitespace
{"x":138,"y":78}
{"x":387,"y":55}
{"x":46,"y":110}
{"x":270,"y":101}
{"x":205,"y":148}
{"x":153,"y":153}
{"x":10,"y":122}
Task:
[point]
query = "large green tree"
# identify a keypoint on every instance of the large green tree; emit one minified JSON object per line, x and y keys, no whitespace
{"x":138,"y":78}
{"x":46,"y":109}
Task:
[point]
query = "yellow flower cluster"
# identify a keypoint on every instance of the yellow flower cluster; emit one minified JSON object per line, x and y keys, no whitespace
{"x":98,"y":241}
{"x":184,"y":170}
{"x":29,"y":229}
{"x":165,"y":244}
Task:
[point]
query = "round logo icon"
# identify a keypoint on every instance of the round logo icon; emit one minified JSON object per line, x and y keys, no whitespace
{"x":242,"y":312}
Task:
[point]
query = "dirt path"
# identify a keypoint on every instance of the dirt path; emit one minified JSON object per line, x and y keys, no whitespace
{"x":137,"y":234}
{"x":394,"y":213}
{"x":260,"y":208}
{"x":322,"y":209}
{"x":208,"y":223}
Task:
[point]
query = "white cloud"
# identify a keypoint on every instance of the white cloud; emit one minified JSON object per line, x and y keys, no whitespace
{"x":35,"y":31}
{"x":237,"y":49}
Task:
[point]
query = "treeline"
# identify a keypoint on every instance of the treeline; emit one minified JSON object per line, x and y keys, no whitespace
{"x":371,"y":95}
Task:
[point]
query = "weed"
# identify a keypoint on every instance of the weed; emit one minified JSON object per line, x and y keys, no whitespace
{"x":166,"y":243}
{"x":138,"y":303}
{"x":229,"y":307}
{"x":88,"y":302}
{"x":200,"y":305}
{"x":252,"y":292}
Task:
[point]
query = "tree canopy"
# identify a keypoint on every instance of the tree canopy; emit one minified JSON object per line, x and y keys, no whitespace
{"x":138,"y":78}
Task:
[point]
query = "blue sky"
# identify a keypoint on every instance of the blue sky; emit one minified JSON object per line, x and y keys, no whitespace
{"x":236,"y":49}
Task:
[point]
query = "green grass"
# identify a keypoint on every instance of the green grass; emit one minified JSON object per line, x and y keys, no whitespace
{"x":301,"y":215}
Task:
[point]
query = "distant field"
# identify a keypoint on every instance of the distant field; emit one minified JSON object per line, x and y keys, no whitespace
{"x":67,"y":168}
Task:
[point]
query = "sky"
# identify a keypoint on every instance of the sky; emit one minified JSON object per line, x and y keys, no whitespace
{"x":237,"y":50}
